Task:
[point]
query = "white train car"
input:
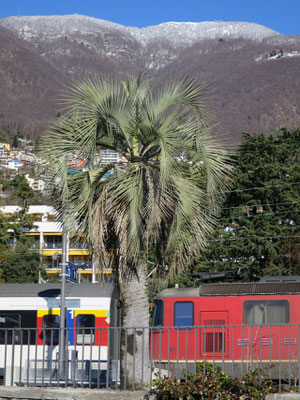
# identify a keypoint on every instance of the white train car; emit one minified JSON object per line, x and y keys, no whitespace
{"x":29,"y":334}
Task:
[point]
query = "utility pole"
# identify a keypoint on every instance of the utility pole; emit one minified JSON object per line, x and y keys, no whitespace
{"x":62,"y":303}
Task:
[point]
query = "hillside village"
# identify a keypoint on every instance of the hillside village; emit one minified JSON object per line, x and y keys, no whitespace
{"x":46,"y":233}
{"x":24,"y":160}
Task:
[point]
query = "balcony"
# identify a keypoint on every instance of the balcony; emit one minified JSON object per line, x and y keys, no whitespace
{"x":77,"y":246}
{"x":52,"y":244}
{"x":51,"y":265}
{"x":83,"y":265}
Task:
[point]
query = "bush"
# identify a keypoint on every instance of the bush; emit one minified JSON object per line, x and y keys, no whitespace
{"x":255,"y":384}
{"x":214,"y":385}
{"x":225,"y":381}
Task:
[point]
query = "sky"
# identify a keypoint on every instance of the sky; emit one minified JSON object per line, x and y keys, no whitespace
{"x":280,"y":15}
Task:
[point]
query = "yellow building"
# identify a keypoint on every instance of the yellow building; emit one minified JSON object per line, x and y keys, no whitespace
{"x":6,"y":146}
{"x":47,"y":237}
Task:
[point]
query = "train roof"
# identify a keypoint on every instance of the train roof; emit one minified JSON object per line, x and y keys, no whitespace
{"x":53,"y":290}
{"x":234,"y":289}
{"x":179,"y":292}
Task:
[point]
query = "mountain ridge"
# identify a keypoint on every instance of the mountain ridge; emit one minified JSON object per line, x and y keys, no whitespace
{"x":253,"y":90}
{"x":199,"y":30}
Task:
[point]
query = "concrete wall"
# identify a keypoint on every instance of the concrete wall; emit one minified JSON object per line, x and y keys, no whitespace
{"x":24,"y":393}
{"x":285,"y":396}
{"x":33,"y":393}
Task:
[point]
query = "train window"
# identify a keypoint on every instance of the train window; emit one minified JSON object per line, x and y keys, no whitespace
{"x":50,"y":332}
{"x":158,"y":314}
{"x":84,"y":324}
{"x":184,"y":313}
{"x":264,"y":312}
{"x":8,"y":323}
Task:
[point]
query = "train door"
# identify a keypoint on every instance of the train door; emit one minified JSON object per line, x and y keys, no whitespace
{"x":214,"y":334}
{"x":157,"y":339}
{"x":49,"y":323}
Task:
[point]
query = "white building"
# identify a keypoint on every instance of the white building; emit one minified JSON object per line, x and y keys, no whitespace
{"x":14,"y":165}
{"x":110,"y":157}
{"x":36,"y":183}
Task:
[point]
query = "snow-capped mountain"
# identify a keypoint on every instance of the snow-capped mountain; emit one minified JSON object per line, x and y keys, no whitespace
{"x":157,"y":45}
{"x":40,"y":54}
{"x":177,"y":33}
{"x":188,"y":33}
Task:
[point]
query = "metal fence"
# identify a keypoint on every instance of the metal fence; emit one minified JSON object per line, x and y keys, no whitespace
{"x":132,"y":357}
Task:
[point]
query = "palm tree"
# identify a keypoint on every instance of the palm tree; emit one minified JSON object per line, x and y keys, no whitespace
{"x":164,"y":198}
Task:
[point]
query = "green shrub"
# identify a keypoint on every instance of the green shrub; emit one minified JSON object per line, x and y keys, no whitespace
{"x":226,"y":382}
{"x":255,"y":384}
{"x":214,"y":384}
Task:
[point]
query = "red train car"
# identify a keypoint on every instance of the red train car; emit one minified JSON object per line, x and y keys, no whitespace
{"x":234,"y":325}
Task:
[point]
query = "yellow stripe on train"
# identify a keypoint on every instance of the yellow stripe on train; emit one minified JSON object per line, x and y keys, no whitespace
{"x":41,"y":313}
{"x":97,"y":313}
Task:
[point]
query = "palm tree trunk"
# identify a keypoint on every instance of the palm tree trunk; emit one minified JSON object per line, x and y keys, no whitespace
{"x":136,"y":314}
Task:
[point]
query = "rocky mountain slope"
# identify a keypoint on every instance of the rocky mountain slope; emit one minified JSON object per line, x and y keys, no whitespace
{"x":251,"y":71}
{"x":28,"y":86}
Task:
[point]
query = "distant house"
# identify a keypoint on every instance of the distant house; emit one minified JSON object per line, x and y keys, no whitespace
{"x":36,"y":184}
{"x":27,"y":159}
{"x":17,"y":154}
{"x":29,"y":148}
{"x":14,"y":164}
{"x":76,"y":164}
{"x":108,"y":157}
{"x":6,"y":146}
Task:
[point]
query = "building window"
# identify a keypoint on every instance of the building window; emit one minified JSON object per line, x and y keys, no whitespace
{"x":53,"y":242}
{"x":158,"y":314}
{"x":77,"y":243}
{"x":264,"y":312}
{"x":35,"y":242}
{"x":184,"y":313}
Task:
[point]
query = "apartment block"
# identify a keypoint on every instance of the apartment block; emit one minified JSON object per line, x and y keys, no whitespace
{"x":47,"y":237}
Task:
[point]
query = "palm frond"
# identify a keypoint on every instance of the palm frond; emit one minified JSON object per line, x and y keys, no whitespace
{"x":156,"y":201}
